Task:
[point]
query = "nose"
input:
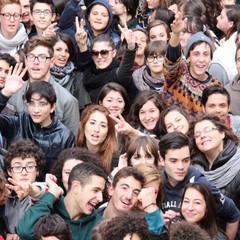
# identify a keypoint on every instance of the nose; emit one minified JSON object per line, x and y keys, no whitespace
{"x":115,"y":104}
{"x":180,"y":165}
{"x":129,"y":194}
{"x":190,"y":206}
{"x":96,"y":128}
{"x":147,"y":115}
{"x":35,"y":108}
{"x":2,"y":74}
{"x":100,"y":197}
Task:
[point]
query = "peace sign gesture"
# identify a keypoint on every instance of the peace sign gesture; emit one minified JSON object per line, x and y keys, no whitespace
{"x":14,"y":79}
{"x":81,"y":34}
{"x":129,"y":36}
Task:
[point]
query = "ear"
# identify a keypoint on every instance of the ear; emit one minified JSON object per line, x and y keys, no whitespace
{"x":230,"y":24}
{"x":204,"y":110}
{"x":110,"y":190}
{"x":114,"y":52}
{"x":100,"y":102}
{"x":9,"y":173}
{"x":53,"y":17}
{"x":76,"y":187}
{"x":161,"y":161}
{"x":53,"y":107}
{"x":52,"y":62}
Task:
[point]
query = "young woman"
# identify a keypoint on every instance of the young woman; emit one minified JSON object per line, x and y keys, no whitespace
{"x":102,"y":68}
{"x":175,"y":119}
{"x":198,"y":207}
{"x":115,"y":98}
{"x":158,"y":30}
{"x":97,"y":134}
{"x":217,"y":155}
{"x":63,"y":70}
{"x":150,"y":75}
{"x":228,"y":20}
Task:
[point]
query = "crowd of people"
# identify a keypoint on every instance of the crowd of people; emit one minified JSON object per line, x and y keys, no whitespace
{"x":119,"y":119}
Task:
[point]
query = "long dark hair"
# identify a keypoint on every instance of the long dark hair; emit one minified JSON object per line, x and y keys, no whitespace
{"x":209,"y":221}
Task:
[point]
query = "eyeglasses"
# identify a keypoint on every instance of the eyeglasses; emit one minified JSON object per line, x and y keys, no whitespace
{"x":206,"y":130}
{"x":19,"y":169}
{"x":46,"y":13}
{"x":104,"y":53}
{"x":7,"y":16}
{"x":151,"y":58}
{"x":40,"y":58}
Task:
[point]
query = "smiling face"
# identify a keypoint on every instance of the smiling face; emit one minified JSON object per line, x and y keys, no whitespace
{"x":67,"y":168}
{"x":208,"y":138}
{"x":176,"y":164}
{"x":24,"y":176}
{"x":175,"y":121}
{"x":61,"y":54}
{"x":141,"y":40}
{"x":193,"y":206}
{"x":96,"y":130}
{"x":141,"y":156}
{"x":42,"y":21}
{"x":200,"y":58}
{"x":9,"y":27}
{"x":222,"y":21}
{"x":40,"y":110}
{"x":125,"y":194}
{"x":25,"y":5}
{"x":100,"y":61}
{"x":114,"y":102}
{"x":217,"y":104}
{"x":98,"y":19}
{"x":118,"y":7}
{"x":158,"y":33}
{"x":39,"y":70}
{"x":4,"y":68}
{"x":149,"y":115}
{"x":87,"y":197}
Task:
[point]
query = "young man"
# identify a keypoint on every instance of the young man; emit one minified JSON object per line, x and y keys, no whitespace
{"x":12,"y":32}
{"x":52,"y":227}
{"x":38,"y":60}
{"x":26,"y":20}
{"x":124,"y":191}
{"x":23,"y":163}
{"x":39,"y":124}
{"x":216,"y":101}
{"x":42,"y":16}
{"x":175,"y":154}
{"x":185,"y":80}
{"x":86,"y":184}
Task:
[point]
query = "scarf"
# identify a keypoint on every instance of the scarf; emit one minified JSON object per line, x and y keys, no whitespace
{"x":12,"y":45}
{"x":62,"y":74}
{"x":224,"y":174}
{"x":144,"y":81}
{"x":93,"y":77}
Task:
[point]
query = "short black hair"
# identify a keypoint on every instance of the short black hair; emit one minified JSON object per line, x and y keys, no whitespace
{"x":83,"y":173}
{"x":48,"y":2}
{"x":173,"y":140}
{"x":52,"y":225}
{"x":44,"y":89}
{"x":214,"y":89}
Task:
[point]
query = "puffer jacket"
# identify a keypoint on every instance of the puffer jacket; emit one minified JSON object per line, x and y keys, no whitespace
{"x":52,"y":139}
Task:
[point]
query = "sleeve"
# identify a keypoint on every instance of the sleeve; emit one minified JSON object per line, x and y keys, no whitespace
{"x":125,"y":70}
{"x":71,"y":115}
{"x":225,"y":206}
{"x":216,"y":70}
{"x":173,"y":53}
{"x":25,"y":227}
{"x":155,"y":222}
{"x":3,"y":101}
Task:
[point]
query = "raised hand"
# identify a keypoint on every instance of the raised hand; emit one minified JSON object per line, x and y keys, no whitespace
{"x":81,"y":34}
{"x":122,"y":161}
{"x":128,"y":35}
{"x":14,"y":80}
{"x":50,"y":31}
{"x":53,"y":187}
{"x":178,"y":24}
{"x":148,"y":198}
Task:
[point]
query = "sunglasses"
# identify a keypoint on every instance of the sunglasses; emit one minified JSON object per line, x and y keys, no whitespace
{"x":103,"y":53}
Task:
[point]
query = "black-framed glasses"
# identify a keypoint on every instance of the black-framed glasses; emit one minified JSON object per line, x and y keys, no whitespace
{"x":40,"y":58}
{"x":19,"y":169}
{"x":39,"y":12}
{"x":151,"y":58}
{"x":7,"y":16}
{"x":206,"y":130}
{"x":104,"y":53}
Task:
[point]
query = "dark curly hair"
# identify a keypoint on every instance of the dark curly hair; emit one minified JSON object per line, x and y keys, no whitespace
{"x":118,"y":227}
{"x":24,"y":148}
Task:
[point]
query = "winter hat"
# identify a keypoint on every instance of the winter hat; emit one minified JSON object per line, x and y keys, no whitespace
{"x":198,"y":37}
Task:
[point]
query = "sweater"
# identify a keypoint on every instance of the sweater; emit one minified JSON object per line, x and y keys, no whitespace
{"x":47,"y":205}
{"x":181,"y":88}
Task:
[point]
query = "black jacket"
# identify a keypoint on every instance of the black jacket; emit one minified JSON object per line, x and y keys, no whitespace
{"x":52,"y":139}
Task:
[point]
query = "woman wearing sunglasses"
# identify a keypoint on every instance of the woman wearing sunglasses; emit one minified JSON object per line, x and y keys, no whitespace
{"x":101,"y":68}
{"x":217,"y":155}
